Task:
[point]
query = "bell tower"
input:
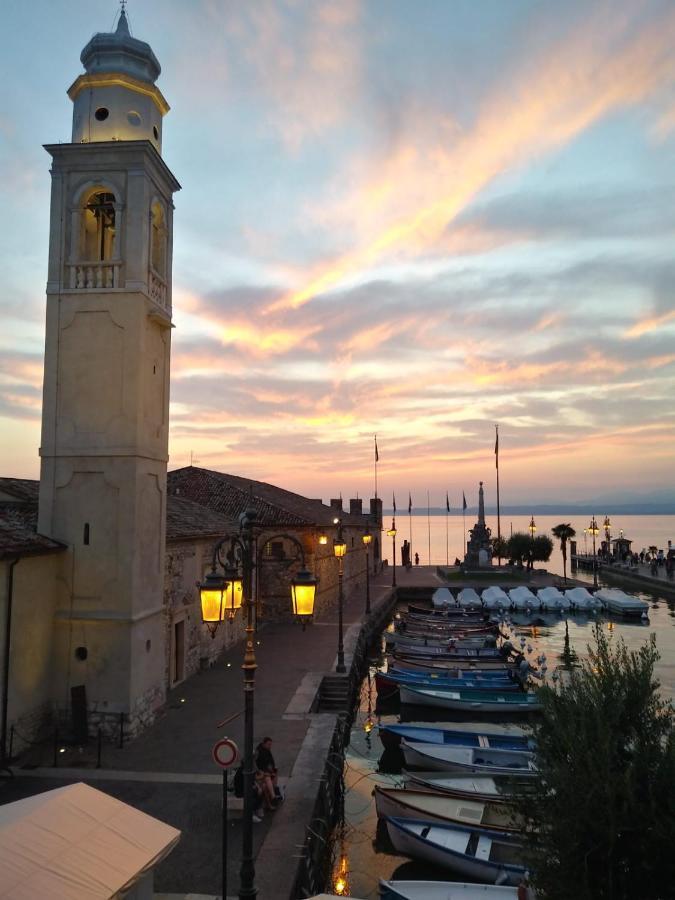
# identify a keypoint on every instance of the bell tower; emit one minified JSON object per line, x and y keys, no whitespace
{"x":105,"y":412}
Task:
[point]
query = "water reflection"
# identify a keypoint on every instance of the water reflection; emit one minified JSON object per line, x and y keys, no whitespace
{"x":365,"y":845}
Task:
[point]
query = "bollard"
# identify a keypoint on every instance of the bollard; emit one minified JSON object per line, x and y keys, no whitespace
{"x":98,"y":748}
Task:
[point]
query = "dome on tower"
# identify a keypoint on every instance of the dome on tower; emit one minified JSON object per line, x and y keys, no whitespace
{"x":116,"y":98}
{"x":118,"y":51}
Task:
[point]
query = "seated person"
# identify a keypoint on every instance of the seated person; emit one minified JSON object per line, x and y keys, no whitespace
{"x":265,"y":764}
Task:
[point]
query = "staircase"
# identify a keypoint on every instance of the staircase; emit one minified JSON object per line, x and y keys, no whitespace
{"x":333,"y":693}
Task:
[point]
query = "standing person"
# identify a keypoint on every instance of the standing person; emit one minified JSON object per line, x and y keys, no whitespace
{"x":417,"y":559}
{"x":264,"y":762}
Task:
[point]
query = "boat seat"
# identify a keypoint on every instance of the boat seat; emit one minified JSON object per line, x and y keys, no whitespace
{"x":484,"y":847}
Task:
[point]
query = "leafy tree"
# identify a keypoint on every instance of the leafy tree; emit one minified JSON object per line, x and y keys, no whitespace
{"x":519,"y":547}
{"x":500,"y":548}
{"x":542,"y":547}
{"x":564,"y":532}
{"x":600,"y":822}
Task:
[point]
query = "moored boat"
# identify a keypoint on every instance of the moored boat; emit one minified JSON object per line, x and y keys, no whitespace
{"x":523,"y":598}
{"x":468,"y":760}
{"x":421,"y":652}
{"x":485,"y":701}
{"x":411,"y":663}
{"x":444,"y":890}
{"x":551,"y":598}
{"x":411,"y":804}
{"x":495,"y":598}
{"x":387,"y":684}
{"x":580,"y":598}
{"x":495,"y":788}
{"x":442,"y":598}
{"x":469,"y":599}
{"x":488,"y":856}
{"x":391,"y":735}
{"x":617,"y":601}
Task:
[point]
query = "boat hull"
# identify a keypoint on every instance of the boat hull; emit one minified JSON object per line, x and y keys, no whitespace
{"x":475,"y":701}
{"x":444,"y":890}
{"x":467,"y":760}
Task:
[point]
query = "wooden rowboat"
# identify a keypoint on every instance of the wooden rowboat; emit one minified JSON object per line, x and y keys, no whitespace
{"x":411,"y":804}
{"x":468,"y":760}
{"x":391,"y":736}
{"x":471,"y":701}
{"x":444,"y":890}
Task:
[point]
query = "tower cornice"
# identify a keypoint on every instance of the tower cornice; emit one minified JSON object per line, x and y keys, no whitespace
{"x":118,"y":79}
{"x":88,"y":155}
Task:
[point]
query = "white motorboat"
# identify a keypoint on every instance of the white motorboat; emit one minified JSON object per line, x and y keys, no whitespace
{"x":495,"y":598}
{"x":492,"y":857}
{"x":442,"y":598}
{"x":523,"y":598}
{"x":617,"y":601}
{"x":444,"y":890}
{"x":468,"y":760}
{"x":469,"y":599}
{"x":552,"y":598}
{"x":581,"y":598}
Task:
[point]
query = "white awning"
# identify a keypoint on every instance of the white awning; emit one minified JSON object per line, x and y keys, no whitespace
{"x":78,"y":842}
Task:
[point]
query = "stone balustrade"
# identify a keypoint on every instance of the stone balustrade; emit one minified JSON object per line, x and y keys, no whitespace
{"x":94,"y":275}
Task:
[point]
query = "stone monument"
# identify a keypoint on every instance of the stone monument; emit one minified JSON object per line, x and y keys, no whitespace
{"x":479,"y":547}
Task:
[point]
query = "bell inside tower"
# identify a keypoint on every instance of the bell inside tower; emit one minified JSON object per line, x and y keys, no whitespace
{"x":99,"y":227}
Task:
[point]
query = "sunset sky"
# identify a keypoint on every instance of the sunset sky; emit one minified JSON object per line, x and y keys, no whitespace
{"x":409,"y":218}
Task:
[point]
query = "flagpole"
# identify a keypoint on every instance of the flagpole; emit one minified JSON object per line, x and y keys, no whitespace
{"x":377,"y":456}
{"x":464,"y":520}
{"x":410,"y":523}
{"x":499,"y":525}
{"x":429,"y":528}
{"x":447,"y":516}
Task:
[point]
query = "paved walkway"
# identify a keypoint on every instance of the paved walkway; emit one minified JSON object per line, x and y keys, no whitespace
{"x":168,"y":771}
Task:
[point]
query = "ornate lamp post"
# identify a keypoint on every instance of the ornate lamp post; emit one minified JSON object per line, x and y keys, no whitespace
{"x":585,"y":541}
{"x":607,"y":525}
{"x":221,"y":595}
{"x":367,"y":538}
{"x":392,"y":534}
{"x":340,"y":549}
{"x":594,"y":531}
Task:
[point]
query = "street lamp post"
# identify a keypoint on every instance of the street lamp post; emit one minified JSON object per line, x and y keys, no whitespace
{"x":594,"y":531}
{"x":392,"y":534}
{"x":340,"y":549}
{"x":221,"y":595}
{"x":532,"y":528}
{"x":367,"y":538}
{"x":607,"y":525}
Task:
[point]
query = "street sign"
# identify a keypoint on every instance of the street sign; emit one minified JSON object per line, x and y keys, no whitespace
{"x":225,"y":753}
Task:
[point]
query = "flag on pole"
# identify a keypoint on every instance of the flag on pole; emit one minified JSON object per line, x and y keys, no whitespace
{"x":377,"y":455}
{"x":496,"y":448}
{"x":447,"y":502}
{"x":409,"y":503}
{"x":393,"y":497}
{"x":463,"y":500}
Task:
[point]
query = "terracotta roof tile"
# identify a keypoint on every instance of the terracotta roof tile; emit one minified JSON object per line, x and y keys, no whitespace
{"x":230,"y":494}
{"x":186,"y":519}
{"x":20,"y":489}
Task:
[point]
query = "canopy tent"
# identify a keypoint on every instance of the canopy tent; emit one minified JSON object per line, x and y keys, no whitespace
{"x":76,"y":841}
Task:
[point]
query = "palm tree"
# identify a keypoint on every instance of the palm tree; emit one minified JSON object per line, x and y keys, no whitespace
{"x":564,"y":532}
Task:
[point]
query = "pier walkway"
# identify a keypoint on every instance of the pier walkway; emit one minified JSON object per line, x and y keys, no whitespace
{"x":169,"y":773}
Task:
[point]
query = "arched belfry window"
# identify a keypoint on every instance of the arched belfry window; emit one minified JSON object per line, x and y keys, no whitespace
{"x":99,"y":227}
{"x":158,"y":239}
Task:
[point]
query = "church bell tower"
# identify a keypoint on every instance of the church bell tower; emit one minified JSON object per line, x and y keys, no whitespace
{"x":105,"y":413}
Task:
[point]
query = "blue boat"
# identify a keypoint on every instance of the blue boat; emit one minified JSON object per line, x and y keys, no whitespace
{"x":392,"y":734}
{"x":387,"y":684}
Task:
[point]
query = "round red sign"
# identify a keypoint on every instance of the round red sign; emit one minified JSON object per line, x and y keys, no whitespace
{"x":225,"y":753}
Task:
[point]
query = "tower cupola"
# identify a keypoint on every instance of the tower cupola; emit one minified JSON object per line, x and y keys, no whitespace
{"x":117,"y":99}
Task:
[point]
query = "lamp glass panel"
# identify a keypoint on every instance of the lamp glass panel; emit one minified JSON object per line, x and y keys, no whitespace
{"x":339,"y":548}
{"x":367,"y":538}
{"x":212,"y":605}
{"x":303,"y":599}
{"x":234,"y":595}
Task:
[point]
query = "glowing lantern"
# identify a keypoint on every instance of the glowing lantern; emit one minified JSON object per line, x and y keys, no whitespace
{"x":303,"y":591}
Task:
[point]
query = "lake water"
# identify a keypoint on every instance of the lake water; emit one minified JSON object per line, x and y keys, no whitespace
{"x":429,"y":535}
{"x":365,"y":847}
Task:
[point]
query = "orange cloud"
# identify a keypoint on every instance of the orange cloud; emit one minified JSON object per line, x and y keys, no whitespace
{"x":604,"y":65}
{"x":649,"y":324}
